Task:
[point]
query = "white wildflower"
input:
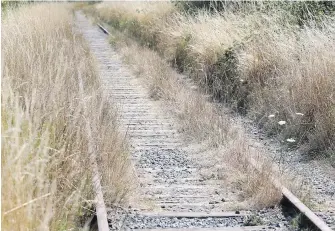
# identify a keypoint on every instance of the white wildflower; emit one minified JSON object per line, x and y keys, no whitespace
{"x":282,"y":122}
{"x":291,"y":140}
{"x":271,"y":116}
{"x":300,"y":114}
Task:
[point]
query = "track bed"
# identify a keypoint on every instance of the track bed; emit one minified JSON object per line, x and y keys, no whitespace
{"x":172,"y":194}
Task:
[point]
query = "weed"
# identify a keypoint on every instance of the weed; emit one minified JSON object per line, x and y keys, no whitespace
{"x":253,"y":220}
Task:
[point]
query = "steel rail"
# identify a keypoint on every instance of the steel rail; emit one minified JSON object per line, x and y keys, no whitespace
{"x":298,"y":204}
{"x":312,"y":217}
{"x":103,"y":29}
{"x":101,"y":212}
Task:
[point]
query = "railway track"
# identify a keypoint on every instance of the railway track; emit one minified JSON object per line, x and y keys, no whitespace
{"x":172,"y":194}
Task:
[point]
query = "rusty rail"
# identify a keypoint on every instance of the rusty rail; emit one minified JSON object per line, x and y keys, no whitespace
{"x":293,"y":200}
{"x":317,"y":221}
{"x":101,"y":212}
{"x":103,"y":29}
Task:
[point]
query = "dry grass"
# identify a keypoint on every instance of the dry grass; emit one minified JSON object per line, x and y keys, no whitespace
{"x":202,"y":121}
{"x":293,"y":73}
{"x":136,"y":18}
{"x":259,"y":62}
{"x":45,"y":167}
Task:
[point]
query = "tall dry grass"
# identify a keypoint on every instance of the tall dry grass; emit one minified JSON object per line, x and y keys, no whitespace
{"x":205,"y":123}
{"x":260,"y":62}
{"x":46,"y":174}
{"x":138,"y":18}
{"x":291,"y":73}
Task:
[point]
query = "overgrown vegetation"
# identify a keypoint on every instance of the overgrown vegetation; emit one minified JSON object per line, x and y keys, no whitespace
{"x":273,"y":61}
{"x":45,"y":166}
{"x":202,"y":121}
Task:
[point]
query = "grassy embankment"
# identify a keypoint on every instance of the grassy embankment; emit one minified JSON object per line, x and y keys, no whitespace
{"x":271,"y":62}
{"x":46,"y":175}
{"x":199,"y":118}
